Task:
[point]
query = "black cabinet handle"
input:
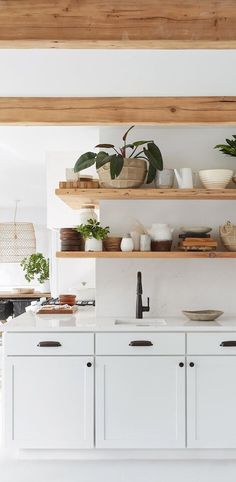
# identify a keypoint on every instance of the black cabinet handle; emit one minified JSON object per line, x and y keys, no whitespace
{"x":191,"y":364}
{"x":181,"y":364}
{"x":89,"y":364}
{"x":49,"y":344}
{"x":140,"y":343}
{"x":228,"y":343}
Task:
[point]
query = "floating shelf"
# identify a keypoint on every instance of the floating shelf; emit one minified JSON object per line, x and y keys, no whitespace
{"x":74,"y":198}
{"x":146,"y":255}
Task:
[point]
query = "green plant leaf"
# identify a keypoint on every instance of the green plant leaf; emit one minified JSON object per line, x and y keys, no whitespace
{"x":155,"y":156}
{"x":105,"y":145}
{"x":126,"y":133}
{"x":151,"y":174}
{"x":116,"y":165}
{"x":139,"y":143}
{"x":101,"y":159}
{"x":86,"y":160}
{"x":231,"y":143}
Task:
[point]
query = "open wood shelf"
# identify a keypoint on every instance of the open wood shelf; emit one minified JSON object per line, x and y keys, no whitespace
{"x":146,"y":254}
{"x":74,"y":198}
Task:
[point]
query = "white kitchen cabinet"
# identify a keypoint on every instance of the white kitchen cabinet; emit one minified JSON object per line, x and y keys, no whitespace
{"x":49,"y":402}
{"x":211,"y":395}
{"x":140,"y":402}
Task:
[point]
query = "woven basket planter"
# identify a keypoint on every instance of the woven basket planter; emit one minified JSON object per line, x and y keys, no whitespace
{"x":228,"y":236}
{"x":132,"y":175}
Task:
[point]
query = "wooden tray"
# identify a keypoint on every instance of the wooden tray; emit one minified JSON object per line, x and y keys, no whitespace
{"x":52,"y":310}
{"x":79,"y":184}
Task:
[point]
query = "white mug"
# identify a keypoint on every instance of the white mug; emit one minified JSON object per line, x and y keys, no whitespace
{"x":184,"y":177}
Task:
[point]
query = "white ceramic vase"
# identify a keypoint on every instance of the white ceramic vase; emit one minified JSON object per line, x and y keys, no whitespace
{"x":92,"y":244}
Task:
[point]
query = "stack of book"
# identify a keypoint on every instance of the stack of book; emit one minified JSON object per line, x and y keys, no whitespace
{"x":197,"y":242}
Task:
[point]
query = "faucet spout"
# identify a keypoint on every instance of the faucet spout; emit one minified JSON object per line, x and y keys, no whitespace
{"x":139,"y":302}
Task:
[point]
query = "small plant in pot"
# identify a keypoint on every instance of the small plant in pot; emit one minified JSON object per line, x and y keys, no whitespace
{"x":36,"y":268}
{"x":127,"y":166}
{"x":93,"y":234}
{"x":229,"y":149}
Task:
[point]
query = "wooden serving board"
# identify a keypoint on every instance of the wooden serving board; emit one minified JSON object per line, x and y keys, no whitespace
{"x":90,"y":184}
{"x":51,"y":310}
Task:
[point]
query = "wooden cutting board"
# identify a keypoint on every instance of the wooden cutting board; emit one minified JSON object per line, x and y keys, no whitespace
{"x":57,"y":310}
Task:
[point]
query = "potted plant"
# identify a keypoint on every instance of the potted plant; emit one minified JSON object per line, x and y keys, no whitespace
{"x":229,"y":149}
{"x":93,"y":234}
{"x":125,"y":167}
{"x":36,"y":267}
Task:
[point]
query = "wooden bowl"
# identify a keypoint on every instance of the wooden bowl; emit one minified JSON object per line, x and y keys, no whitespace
{"x":203,"y":315}
{"x":112,"y":243}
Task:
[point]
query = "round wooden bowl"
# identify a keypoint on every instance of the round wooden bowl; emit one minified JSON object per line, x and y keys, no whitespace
{"x":112,"y":243}
{"x":67,"y":299}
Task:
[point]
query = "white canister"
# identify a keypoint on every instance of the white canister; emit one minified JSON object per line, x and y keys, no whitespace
{"x":135,"y":235}
{"x":127,"y":243}
{"x":145,"y":242}
{"x":71,"y":175}
{"x":92,"y":244}
{"x":87,"y":211}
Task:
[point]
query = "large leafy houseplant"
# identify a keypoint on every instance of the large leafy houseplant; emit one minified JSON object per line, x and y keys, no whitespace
{"x":149,"y":152}
{"x":36,"y":267}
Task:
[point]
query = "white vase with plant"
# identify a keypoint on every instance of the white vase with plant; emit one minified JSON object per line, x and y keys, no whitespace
{"x":93,"y":234}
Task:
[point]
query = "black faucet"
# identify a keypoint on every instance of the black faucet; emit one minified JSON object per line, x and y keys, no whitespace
{"x":139,"y":303}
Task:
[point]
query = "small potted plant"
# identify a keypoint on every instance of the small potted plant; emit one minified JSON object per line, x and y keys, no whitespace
{"x":93,"y":234}
{"x":36,"y":267}
{"x":229,"y":149}
{"x":127,"y":167}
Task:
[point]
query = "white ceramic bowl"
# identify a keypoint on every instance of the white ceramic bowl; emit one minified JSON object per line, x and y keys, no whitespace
{"x":215,"y":178}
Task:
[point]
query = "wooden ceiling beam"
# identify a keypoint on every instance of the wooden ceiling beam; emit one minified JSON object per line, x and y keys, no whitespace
{"x":112,"y":24}
{"x":117,"y":110}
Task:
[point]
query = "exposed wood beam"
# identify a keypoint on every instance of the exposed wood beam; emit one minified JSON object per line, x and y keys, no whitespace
{"x":117,"y":110}
{"x":113,"y":24}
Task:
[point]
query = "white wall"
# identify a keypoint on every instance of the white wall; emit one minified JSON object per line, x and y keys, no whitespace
{"x":117,"y":72}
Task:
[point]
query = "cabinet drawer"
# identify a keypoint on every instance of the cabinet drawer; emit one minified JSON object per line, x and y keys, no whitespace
{"x":55,"y":343}
{"x":140,"y":344}
{"x":211,"y":343}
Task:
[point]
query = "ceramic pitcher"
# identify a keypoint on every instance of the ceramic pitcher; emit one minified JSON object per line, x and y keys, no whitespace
{"x":184,"y":177}
{"x":160,"y":232}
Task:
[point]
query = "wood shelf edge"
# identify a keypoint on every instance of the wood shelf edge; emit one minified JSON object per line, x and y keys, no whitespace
{"x":146,"y":255}
{"x":74,"y":198}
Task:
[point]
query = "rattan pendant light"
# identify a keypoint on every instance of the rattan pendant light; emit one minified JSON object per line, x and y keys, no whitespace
{"x":17,"y":240}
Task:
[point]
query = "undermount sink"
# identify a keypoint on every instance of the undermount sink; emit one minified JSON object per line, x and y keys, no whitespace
{"x":141,"y":322}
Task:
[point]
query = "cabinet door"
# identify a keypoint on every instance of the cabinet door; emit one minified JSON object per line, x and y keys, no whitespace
{"x":140,"y":402}
{"x":211,"y":395}
{"x":49,"y":402}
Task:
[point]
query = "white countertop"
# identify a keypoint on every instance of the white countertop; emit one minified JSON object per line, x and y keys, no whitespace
{"x":87,"y":322}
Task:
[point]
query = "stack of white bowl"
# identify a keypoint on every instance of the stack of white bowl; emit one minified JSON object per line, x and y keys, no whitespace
{"x":215,"y":178}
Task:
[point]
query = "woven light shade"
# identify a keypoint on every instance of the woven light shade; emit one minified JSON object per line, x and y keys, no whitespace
{"x":17,"y":240}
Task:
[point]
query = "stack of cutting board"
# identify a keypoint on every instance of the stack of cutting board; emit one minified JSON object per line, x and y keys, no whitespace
{"x":193,"y":241}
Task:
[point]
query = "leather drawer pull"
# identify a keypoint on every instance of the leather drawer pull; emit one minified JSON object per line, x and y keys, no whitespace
{"x":140,"y":343}
{"x":49,"y":344}
{"x":228,"y":343}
